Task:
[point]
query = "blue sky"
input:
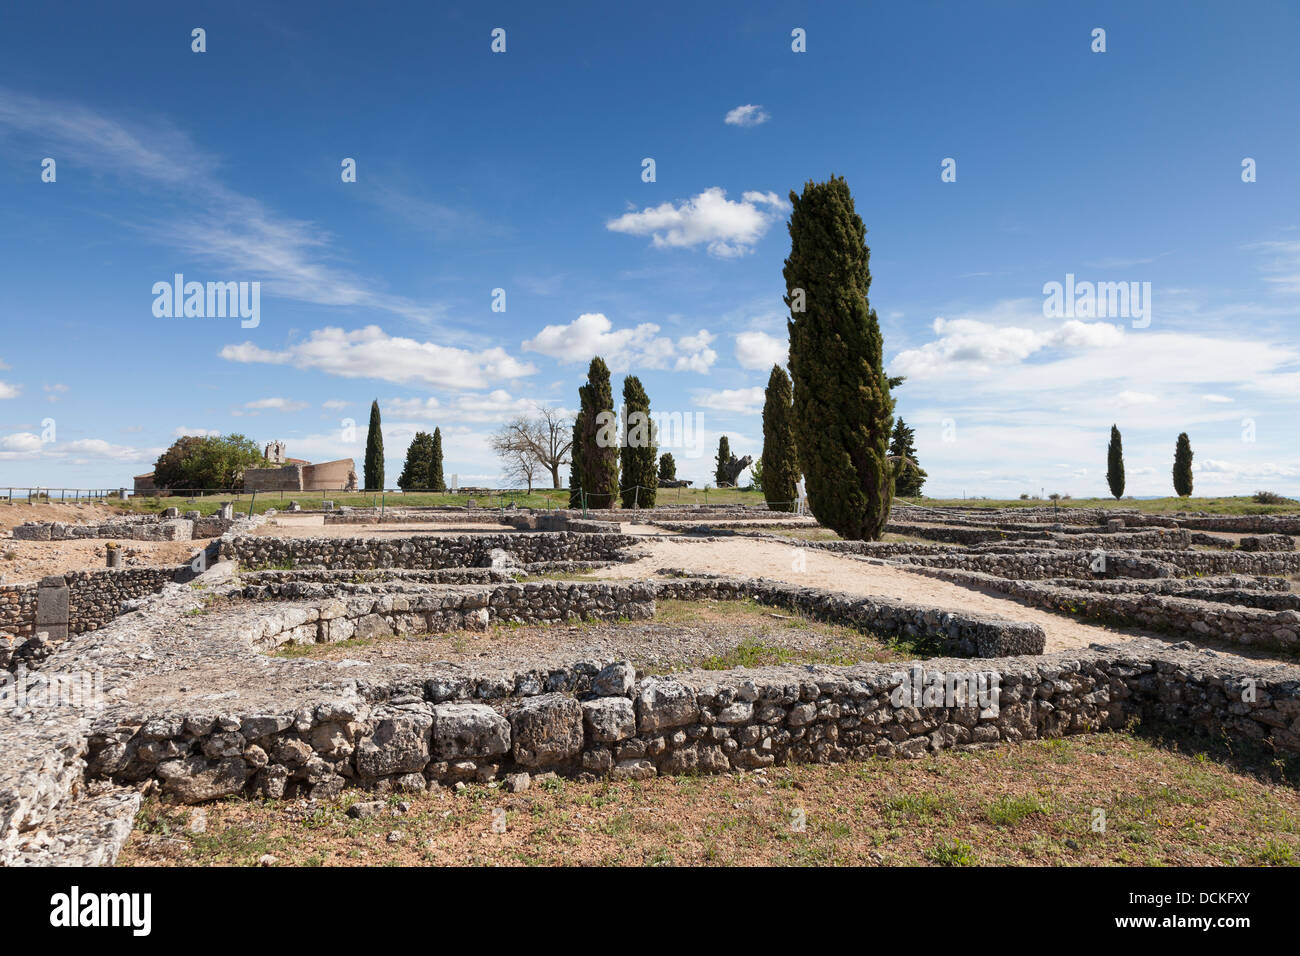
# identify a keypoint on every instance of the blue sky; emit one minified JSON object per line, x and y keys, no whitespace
{"x":522,"y":171}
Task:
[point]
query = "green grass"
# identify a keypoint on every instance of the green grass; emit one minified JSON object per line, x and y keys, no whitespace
{"x":1243,"y":505}
{"x":547,"y":498}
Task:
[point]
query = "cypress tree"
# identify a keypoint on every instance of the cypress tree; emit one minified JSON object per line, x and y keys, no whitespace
{"x":595,"y":443}
{"x":667,"y":467}
{"x":575,"y":453}
{"x":843,"y":409}
{"x":720,"y":476}
{"x":780,"y":472}
{"x":638,"y":451}
{"x":1183,"y":466}
{"x":1115,"y":464}
{"x":374,"y":465}
{"x":908,"y":475}
{"x":415,"y":470}
{"x":436,"y":480}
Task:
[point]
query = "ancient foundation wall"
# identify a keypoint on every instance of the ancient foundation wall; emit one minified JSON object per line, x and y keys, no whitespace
{"x":423,"y":551}
{"x":595,"y":718}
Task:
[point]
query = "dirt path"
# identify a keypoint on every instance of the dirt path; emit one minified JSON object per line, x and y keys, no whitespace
{"x":749,"y":557}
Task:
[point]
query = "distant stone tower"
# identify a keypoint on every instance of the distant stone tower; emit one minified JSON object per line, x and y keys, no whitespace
{"x":275,"y":453}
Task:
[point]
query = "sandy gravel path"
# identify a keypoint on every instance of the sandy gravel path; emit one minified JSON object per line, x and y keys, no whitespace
{"x":751,"y":557}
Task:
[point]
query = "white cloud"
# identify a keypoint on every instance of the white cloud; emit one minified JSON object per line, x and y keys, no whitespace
{"x":372,"y":353}
{"x":27,"y":446}
{"x":290,"y":257}
{"x":10,"y":391}
{"x":334,"y":405}
{"x":592,"y":334}
{"x":1282,"y":271}
{"x":973,"y":347}
{"x":1219,"y":399}
{"x":727,"y":228}
{"x":747,"y":115}
{"x":52,"y":392}
{"x":21,"y":442}
{"x":275,"y":405}
{"x":183,"y":430}
{"x":745,"y":401}
{"x":1129,"y":397}
{"x":758,"y":350}
{"x":495,"y":407}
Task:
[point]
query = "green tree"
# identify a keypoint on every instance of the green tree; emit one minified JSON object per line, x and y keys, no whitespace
{"x":908,"y":475}
{"x":215,"y":462}
{"x":720,"y":476}
{"x":638,"y":452}
{"x":436,"y":480}
{"x":843,"y":409}
{"x":374,"y":465}
{"x":595,"y":441}
{"x":756,"y":474}
{"x":667,"y":467}
{"x":780,"y":470}
{"x":415,"y":471}
{"x":1115,"y":463}
{"x":1183,"y":466}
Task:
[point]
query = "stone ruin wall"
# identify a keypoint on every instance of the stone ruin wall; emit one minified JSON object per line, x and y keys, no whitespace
{"x":423,"y":551}
{"x":94,"y":597}
{"x":595,"y":718}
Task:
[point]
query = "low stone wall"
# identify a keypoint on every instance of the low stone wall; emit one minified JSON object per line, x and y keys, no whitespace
{"x":1244,"y":590}
{"x":1239,"y":524}
{"x":347,"y":612}
{"x":141,"y":529}
{"x":595,"y":719}
{"x":94,"y":597}
{"x":961,"y":535}
{"x":1039,"y":563}
{"x":1180,"y":615}
{"x":949,"y":632}
{"x":397,"y":576}
{"x":549,"y":521}
{"x":423,"y":551}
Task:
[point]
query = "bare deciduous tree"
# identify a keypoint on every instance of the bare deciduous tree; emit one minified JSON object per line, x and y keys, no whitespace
{"x":543,"y":440}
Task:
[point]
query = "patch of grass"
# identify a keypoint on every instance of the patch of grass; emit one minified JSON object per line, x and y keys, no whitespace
{"x":952,"y":853}
{"x":1009,"y":811}
{"x":1241,"y":505}
{"x":1168,"y":800}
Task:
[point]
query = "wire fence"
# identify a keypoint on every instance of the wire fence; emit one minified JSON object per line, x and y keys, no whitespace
{"x":502,"y":498}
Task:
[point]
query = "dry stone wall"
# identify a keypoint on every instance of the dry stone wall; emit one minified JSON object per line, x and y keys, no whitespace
{"x":949,"y":632}
{"x":1181,"y":614}
{"x":423,"y":551}
{"x":595,"y":719}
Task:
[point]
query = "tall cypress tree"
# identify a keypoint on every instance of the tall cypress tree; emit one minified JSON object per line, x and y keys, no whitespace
{"x":638,"y":451}
{"x":1115,"y":464}
{"x":374,"y":466}
{"x":596,"y":443}
{"x":780,"y":459}
{"x":575,"y":452}
{"x":1183,"y":466}
{"x":909,"y":476}
{"x":667,"y":467}
{"x":843,"y":409}
{"x":720,"y":476}
{"x":436,"y":480}
{"x":415,"y":470}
